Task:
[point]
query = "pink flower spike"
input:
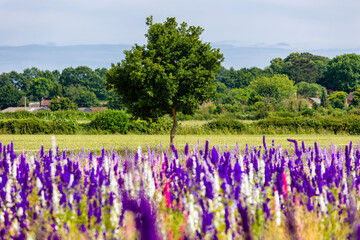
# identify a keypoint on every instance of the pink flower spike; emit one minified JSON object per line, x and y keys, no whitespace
{"x":167,"y":194}
{"x":285,"y":185}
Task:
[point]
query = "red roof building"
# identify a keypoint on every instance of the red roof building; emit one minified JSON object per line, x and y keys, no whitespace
{"x":96,"y":109}
{"x":45,"y":103}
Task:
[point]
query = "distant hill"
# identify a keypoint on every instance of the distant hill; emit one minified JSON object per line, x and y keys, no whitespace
{"x":98,"y":56}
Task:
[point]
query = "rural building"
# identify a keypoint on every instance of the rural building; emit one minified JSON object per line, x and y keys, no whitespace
{"x":84,"y":109}
{"x":314,"y":100}
{"x":14,"y":109}
{"x":34,"y":104}
{"x":349,"y":98}
{"x":45,"y":103}
{"x":32,"y":109}
{"x":92,"y":109}
{"x":97,"y":109}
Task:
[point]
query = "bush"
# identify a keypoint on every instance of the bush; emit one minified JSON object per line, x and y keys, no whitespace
{"x":226,"y":124}
{"x":114,"y":121}
{"x":308,"y":112}
{"x":37,"y":126}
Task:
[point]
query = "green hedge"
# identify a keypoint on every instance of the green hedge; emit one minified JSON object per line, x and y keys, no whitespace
{"x":227,"y":124}
{"x":278,"y":125}
{"x":49,"y":115}
{"x":37,"y":126}
{"x":118,"y":121}
{"x":114,"y":121}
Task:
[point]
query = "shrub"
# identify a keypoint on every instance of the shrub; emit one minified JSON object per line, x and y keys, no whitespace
{"x":226,"y":124}
{"x":115,"y":121}
{"x":37,"y":126}
{"x":308,"y":112}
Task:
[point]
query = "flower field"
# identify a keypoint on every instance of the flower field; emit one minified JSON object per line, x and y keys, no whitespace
{"x":202,"y":192}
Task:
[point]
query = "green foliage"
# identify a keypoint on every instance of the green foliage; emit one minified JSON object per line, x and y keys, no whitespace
{"x":226,"y":124}
{"x":241,"y":78}
{"x":37,"y":126}
{"x":273,"y":89}
{"x":174,"y":71}
{"x":115,"y":121}
{"x":9,"y":94}
{"x":41,"y":87}
{"x":73,"y":92}
{"x":85,"y":77}
{"x":307,"y":90}
{"x":303,"y":67}
{"x":161,"y":125}
{"x":356,"y":99}
{"x":337,"y":99}
{"x":87,"y":99}
{"x":114,"y":102}
{"x":49,"y":115}
{"x":343,"y":73}
{"x":315,"y":106}
{"x":308,"y":112}
{"x":62,"y":104}
{"x":324,"y":101}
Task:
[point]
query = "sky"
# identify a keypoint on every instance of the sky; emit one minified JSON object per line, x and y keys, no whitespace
{"x":296,"y":24}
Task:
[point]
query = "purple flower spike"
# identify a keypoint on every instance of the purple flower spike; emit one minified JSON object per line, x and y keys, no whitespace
{"x":265,"y":147}
{"x":214,"y":156}
{"x":83,"y":228}
{"x":357,"y":233}
{"x":309,"y":206}
{"x":227,"y":223}
{"x":145,"y":217}
{"x":206,"y":149}
{"x":245,"y":221}
{"x":186,"y":150}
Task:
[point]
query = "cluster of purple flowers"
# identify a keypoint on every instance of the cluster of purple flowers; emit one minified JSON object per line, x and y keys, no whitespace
{"x":219,"y":192}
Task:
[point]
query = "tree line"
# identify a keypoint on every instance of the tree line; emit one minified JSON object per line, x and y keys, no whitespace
{"x":81,"y":85}
{"x":246,"y":89}
{"x":303,"y":74}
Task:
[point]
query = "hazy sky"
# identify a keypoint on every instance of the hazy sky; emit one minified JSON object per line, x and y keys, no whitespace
{"x":301,"y":24}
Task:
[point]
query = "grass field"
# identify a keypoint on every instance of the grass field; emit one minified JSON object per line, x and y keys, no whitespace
{"x":96,"y":142}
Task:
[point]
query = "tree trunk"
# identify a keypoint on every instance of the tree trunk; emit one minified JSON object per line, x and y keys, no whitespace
{"x":174,"y":128}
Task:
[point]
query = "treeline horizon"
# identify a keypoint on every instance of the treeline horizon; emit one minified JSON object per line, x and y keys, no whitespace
{"x":308,"y":75}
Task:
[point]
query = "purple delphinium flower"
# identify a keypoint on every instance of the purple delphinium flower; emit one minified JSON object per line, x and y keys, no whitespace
{"x":186,"y":150}
{"x":237,"y":172}
{"x":206,"y":149}
{"x":214,"y":156}
{"x":265,"y":147}
{"x":145,"y":217}
{"x":245,"y":221}
{"x":227,"y":223}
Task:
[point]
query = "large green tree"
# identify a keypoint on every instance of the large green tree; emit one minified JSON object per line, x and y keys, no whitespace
{"x":343,"y":73}
{"x":174,"y":72}
{"x":307,"y":90}
{"x":274,"y":89}
{"x":62,"y":104}
{"x":41,"y":87}
{"x":338,"y":99}
{"x":85,"y":77}
{"x":356,"y":99}
{"x":9,"y":94}
{"x":301,"y":67}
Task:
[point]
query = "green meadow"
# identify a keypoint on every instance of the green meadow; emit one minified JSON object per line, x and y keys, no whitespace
{"x":117,"y":141}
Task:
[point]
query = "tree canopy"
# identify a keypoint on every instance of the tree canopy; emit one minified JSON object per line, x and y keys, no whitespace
{"x":337,"y":99}
{"x":274,"y":89}
{"x":343,"y":73}
{"x":304,"y":67}
{"x":174,"y":72}
{"x":307,"y":90}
